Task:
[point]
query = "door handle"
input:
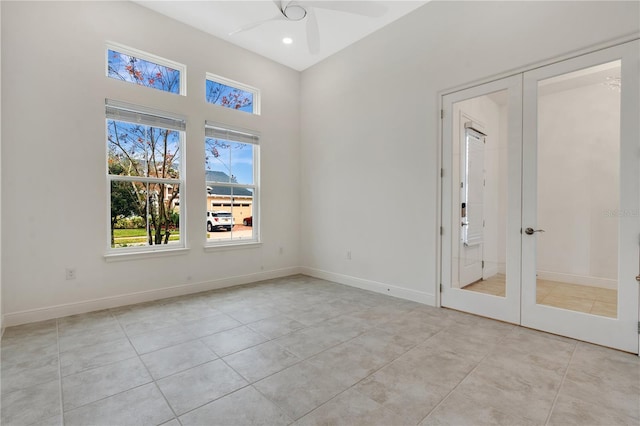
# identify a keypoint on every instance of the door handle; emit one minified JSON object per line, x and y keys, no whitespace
{"x":531,"y":231}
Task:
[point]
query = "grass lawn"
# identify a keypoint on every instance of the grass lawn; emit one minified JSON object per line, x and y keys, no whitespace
{"x":126,"y":237}
{"x":138,"y":232}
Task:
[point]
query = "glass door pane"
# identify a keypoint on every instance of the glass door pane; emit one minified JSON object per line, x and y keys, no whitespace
{"x":480,"y":157}
{"x":579,"y":190}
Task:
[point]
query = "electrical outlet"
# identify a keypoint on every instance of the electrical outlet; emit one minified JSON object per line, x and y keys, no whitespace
{"x":348,"y":254}
{"x":70,"y":273}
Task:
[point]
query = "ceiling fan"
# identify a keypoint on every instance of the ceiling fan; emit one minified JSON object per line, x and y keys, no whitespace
{"x":298,"y":10}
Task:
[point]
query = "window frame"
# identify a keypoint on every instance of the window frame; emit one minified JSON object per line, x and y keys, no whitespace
{"x":249,"y":137}
{"x":235,"y":85}
{"x":149,"y":57}
{"x":127,"y":109}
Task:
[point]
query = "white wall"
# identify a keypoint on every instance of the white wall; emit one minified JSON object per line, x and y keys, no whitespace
{"x":54,"y":207}
{"x":579,"y":153}
{"x":369,"y":127}
{"x":1,"y":298}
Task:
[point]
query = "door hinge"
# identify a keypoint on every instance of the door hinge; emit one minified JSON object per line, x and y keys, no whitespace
{"x":441,"y":230}
{"x":441,"y":292}
{"x":638,"y":321}
{"x":483,"y":264}
{"x":441,"y":172}
{"x":441,"y":113}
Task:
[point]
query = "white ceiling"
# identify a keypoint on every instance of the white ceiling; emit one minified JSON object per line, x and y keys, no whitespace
{"x":337,"y":29}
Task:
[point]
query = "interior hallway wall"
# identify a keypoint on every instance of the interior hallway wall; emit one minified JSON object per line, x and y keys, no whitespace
{"x":370,"y":128}
{"x":578,"y":185}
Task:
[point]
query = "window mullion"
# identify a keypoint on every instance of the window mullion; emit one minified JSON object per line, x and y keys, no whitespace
{"x":126,"y":178}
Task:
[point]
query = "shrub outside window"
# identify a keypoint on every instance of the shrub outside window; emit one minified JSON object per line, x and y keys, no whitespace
{"x":232,"y":207}
{"x":145,"y":173}
{"x":231,"y":94}
{"x":145,"y":69}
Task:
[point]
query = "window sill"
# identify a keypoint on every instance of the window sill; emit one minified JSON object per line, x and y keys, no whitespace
{"x":135,"y":255}
{"x":232,"y":246}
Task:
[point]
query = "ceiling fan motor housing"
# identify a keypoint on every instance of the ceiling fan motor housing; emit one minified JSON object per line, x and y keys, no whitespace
{"x":294,"y":12}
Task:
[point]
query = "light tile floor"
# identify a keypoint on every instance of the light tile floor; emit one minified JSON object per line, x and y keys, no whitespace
{"x":581,"y":298}
{"x":304,"y":351}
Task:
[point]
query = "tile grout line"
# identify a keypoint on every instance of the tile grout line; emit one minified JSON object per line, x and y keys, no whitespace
{"x":467,"y":375}
{"x":59,"y":370}
{"x":139,"y":356}
{"x":275,"y":404}
{"x":375,"y":327}
{"x":222,"y":396}
{"x":175,"y":416}
{"x":274,"y":340}
{"x":352,"y":387}
{"x":564,"y":376}
{"x":107,"y":364}
{"x":190,"y":368}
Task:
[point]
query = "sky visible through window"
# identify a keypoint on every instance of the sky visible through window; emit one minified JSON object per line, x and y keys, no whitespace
{"x":142,"y":150}
{"x":229,"y":97}
{"x":234,"y":159}
{"x":144,"y":73}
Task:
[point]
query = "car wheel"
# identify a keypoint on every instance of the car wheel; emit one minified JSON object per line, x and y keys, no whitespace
{"x":245,"y":223}
{"x":229,"y":228}
{"x":209,"y":227}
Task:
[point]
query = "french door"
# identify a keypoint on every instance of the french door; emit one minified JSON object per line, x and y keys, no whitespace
{"x":549,"y":202}
{"x":492,"y":111}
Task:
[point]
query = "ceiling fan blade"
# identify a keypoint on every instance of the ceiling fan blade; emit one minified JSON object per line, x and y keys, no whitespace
{"x":255,"y":24}
{"x":280,"y":5}
{"x":372,"y":9}
{"x":313,"y":33}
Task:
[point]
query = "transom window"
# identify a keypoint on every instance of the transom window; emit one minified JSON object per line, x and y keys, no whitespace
{"x":145,"y":69}
{"x":231,"y":94}
{"x":145,"y":173}
{"x":231,"y":162}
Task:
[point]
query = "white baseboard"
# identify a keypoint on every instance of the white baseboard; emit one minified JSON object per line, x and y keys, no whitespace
{"x":378,"y":287}
{"x":42,"y":314}
{"x":578,"y":279}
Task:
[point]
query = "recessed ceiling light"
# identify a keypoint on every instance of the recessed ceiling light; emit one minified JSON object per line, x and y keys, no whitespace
{"x":287,"y":40}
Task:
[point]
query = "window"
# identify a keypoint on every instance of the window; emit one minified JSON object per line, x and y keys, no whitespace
{"x":145,"y":69}
{"x":232,"y":185}
{"x":145,"y":173}
{"x":231,"y":94}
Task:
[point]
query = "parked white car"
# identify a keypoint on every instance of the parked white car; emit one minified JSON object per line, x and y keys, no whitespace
{"x":219,"y":220}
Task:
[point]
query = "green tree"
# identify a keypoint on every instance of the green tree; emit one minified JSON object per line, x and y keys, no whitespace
{"x":124,"y":200}
{"x":145,"y":151}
